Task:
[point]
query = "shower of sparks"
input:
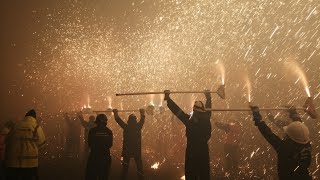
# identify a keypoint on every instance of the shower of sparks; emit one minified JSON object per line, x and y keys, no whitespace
{"x":91,"y":48}
{"x":294,"y":66}
{"x":109,"y":101}
{"x":248,"y":86}
{"x":222,"y":71}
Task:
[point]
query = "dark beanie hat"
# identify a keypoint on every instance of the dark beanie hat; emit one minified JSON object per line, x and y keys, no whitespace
{"x":31,"y":113}
{"x":101,"y":119}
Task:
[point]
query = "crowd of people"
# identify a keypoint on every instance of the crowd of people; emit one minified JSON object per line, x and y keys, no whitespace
{"x":22,"y":141}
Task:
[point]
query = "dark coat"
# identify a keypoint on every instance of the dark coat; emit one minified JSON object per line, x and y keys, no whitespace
{"x":198,"y":132}
{"x":100,"y":140}
{"x":131,"y":137}
{"x":293,"y":158}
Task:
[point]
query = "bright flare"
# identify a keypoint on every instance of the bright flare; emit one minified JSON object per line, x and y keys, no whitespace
{"x":222,"y":71}
{"x":155,"y":165}
{"x":248,"y":85}
{"x":294,"y":66}
{"x":183,"y":178}
{"x":109,"y":101}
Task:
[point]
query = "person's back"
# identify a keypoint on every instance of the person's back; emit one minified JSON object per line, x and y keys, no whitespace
{"x":198,"y":133}
{"x":132,"y":139}
{"x":23,"y":143}
{"x":294,"y":160}
{"x":131,"y":147}
{"x":100,"y":140}
{"x":294,"y":151}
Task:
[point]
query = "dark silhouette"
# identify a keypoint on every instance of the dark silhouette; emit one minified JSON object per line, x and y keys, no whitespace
{"x":87,"y":125}
{"x":22,"y":147}
{"x":294,"y":151}
{"x":131,"y":142}
{"x":100,"y":140}
{"x":198,"y":132}
{"x":72,"y":147}
{"x":4,"y":131}
{"x":231,"y":146}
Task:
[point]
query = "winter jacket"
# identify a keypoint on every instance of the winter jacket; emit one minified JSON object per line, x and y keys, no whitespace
{"x":198,"y":127}
{"x":293,"y":158}
{"x":23,"y":143}
{"x":100,"y":140}
{"x":131,"y":137}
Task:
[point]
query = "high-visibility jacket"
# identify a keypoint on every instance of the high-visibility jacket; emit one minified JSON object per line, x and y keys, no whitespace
{"x":23,"y":143}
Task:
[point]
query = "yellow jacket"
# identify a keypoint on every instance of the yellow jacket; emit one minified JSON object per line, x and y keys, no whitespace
{"x":23,"y":143}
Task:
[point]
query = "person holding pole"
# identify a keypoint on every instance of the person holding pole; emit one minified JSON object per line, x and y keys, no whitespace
{"x":131,"y":147}
{"x":198,"y":133}
{"x":294,"y":150}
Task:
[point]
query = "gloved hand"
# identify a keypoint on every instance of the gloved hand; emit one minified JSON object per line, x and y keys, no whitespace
{"x":256,"y":115}
{"x":115,"y":112}
{"x":142,"y":112}
{"x":207,"y":94}
{"x":166,"y":94}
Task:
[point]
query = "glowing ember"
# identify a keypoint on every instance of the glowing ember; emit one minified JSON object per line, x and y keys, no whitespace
{"x":155,"y":165}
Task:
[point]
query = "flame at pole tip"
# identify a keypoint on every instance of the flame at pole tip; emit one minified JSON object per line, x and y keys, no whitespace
{"x":222,"y":71}
{"x":109,"y":102}
{"x":248,"y":85}
{"x":295,"y":67}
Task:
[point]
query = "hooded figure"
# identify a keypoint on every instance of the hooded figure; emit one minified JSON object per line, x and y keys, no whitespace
{"x":131,"y":147}
{"x":198,"y":132}
{"x":23,"y":143}
{"x":294,"y":151}
{"x":100,"y":140}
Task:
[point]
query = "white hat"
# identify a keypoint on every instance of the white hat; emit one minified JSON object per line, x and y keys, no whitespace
{"x":298,"y":132}
{"x":198,"y":106}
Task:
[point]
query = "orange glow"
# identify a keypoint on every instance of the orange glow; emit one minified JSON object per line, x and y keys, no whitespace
{"x":155,"y":165}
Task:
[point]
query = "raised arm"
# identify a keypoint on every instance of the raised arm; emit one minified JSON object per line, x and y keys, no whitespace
{"x":175,"y":109}
{"x":208,"y":101}
{"x":142,"y":118}
{"x":273,"y":139}
{"x":118,"y":119}
{"x":208,"y":104}
{"x":82,"y":121}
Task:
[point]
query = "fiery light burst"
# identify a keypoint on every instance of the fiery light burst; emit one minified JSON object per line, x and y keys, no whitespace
{"x":83,"y":49}
{"x":295,"y":67}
